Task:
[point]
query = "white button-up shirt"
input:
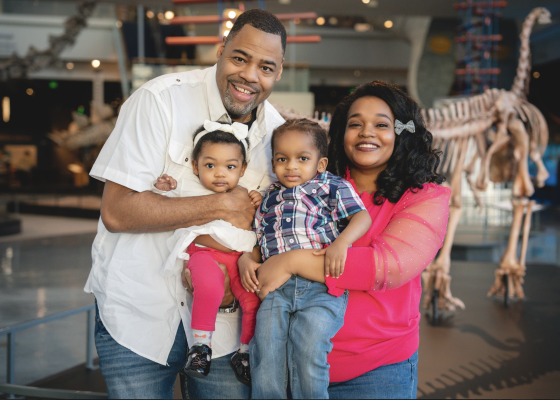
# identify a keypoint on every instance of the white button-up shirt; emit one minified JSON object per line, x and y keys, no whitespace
{"x":139,"y":306}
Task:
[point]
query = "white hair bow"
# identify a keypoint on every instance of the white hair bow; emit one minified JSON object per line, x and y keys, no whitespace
{"x":240,"y":131}
{"x":399,"y":127}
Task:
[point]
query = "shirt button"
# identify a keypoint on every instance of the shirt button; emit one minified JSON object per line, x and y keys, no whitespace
{"x":182,"y":304}
{"x":178,"y":80}
{"x":291,"y":240}
{"x":186,"y":159}
{"x":288,"y":220}
{"x":314,"y":191}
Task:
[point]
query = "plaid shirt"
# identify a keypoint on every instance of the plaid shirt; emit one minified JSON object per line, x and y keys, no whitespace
{"x":304,"y":217}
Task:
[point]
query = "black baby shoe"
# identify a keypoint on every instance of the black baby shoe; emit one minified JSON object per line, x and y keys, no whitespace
{"x":198,"y":362}
{"x":240,"y":364}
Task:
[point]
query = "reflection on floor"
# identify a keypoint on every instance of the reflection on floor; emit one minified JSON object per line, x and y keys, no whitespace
{"x":485,"y":351}
{"x":42,"y":277}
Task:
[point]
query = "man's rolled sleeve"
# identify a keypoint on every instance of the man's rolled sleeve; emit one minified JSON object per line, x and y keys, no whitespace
{"x":134,"y":155}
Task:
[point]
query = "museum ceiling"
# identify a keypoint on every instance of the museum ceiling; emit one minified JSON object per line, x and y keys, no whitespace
{"x":517,"y":9}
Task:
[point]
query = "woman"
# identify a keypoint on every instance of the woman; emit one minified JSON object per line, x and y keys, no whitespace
{"x":380,"y":144}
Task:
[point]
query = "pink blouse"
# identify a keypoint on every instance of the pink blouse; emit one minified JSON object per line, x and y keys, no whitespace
{"x":383,"y":276}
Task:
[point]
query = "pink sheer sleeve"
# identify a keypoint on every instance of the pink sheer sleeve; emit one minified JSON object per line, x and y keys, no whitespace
{"x":404,"y":248}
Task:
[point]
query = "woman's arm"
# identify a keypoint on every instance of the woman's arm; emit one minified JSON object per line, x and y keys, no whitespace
{"x":400,"y":253}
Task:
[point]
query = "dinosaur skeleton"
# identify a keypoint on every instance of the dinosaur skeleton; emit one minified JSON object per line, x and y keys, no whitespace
{"x":517,"y":130}
{"x":17,"y":67}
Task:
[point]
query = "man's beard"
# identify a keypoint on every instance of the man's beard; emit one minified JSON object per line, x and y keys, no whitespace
{"x":235,"y":109}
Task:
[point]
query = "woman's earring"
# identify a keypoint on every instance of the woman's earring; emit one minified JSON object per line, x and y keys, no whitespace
{"x":399,"y":127}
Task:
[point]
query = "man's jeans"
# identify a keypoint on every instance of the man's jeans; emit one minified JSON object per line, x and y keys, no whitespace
{"x":130,"y":376}
{"x":395,"y":381}
{"x":295,"y":325}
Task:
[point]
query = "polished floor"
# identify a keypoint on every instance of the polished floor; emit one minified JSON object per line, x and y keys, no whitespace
{"x":485,"y":351}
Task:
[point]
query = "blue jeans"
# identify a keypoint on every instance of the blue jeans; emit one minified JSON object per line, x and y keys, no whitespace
{"x":395,"y":381}
{"x":130,"y":376}
{"x":295,"y":325}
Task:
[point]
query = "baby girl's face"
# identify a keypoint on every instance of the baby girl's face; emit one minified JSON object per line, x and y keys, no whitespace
{"x":219,"y":166}
{"x":296,"y":159}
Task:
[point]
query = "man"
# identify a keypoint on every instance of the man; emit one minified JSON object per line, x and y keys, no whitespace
{"x":141,"y":324}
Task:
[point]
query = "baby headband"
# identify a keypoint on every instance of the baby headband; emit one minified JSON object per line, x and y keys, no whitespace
{"x":240,"y":131}
{"x":399,"y":127}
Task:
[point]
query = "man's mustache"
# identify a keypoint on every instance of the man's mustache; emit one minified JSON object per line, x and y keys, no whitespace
{"x":254,"y":89}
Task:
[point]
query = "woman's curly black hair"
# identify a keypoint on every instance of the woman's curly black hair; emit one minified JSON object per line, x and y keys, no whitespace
{"x":413,"y":163}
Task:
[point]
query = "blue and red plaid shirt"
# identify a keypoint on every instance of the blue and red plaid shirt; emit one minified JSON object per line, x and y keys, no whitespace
{"x":304,"y":217}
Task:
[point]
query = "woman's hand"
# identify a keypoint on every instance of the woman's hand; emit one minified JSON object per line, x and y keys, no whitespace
{"x":188,"y":284}
{"x":247,"y":272}
{"x":273,"y":273}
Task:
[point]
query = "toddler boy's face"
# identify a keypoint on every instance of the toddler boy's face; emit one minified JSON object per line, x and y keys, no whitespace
{"x":219,"y":166}
{"x":296,"y":159}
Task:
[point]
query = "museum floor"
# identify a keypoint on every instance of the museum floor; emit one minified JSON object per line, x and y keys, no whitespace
{"x":485,"y":351}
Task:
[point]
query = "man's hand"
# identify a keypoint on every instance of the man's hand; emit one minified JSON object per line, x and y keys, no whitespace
{"x":240,"y":209}
{"x":228,"y":295}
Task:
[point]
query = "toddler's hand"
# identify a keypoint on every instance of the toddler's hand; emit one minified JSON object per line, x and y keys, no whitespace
{"x":247,"y":273}
{"x":166,"y":183}
{"x":335,"y":258}
{"x":255,"y":197}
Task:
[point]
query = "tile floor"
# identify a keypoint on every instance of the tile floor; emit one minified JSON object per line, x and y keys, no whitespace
{"x":485,"y":351}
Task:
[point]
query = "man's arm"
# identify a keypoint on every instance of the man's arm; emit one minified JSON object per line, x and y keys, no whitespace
{"x":125,"y":210}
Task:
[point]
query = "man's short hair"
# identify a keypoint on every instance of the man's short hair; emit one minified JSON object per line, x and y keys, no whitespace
{"x":263,"y":21}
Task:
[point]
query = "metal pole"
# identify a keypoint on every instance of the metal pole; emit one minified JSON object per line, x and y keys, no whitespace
{"x":141,"y":35}
{"x":117,"y":37}
{"x":293,"y":58}
{"x":90,"y":340}
{"x":11,"y":370}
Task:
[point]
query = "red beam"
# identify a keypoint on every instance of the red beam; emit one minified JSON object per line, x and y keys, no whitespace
{"x":483,"y":71}
{"x":216,"y":19}
{"x":484,"y":38}
{"x":490,"y":4}
{"x":194,"y":40}
{"x":189,"y":2}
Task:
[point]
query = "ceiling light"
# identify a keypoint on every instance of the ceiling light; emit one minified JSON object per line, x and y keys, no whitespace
{"x":357,"y":73}
{"x":161,"y":16}
{"x":150,"y":14}
{"x":536,"y":75}
{"x":30,"y":92}
{"x":229,"y":24}
{"x":232,"y":14}
{"x":320,"y":21}
{"x":96,"y":63}
{"x":365,"y":1}
{"x":169,"y":15}
{"x":70,"y":66}
{"x":333,"y":20}
{"x":226,"y":33}
{"x":297,"y":21}
{"x":6,"y":109}
{"x":361,"y":27}
{"x":388,"y":24}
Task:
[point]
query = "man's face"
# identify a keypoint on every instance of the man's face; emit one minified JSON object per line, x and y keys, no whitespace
{"x":248,"y":67}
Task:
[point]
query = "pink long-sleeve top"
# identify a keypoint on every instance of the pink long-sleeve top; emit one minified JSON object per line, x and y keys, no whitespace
{"x":382,"y":274}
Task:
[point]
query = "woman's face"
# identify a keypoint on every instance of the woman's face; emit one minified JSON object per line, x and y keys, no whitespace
{"x":370,"y":134}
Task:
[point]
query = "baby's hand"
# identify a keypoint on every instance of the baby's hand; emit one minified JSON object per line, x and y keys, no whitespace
{"x":166,"y":183}
{"x":256,"y":198}
{"x":335,"y":258}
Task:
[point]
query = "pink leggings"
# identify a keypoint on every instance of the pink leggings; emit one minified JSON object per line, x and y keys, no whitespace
{"x":208,"y":282}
